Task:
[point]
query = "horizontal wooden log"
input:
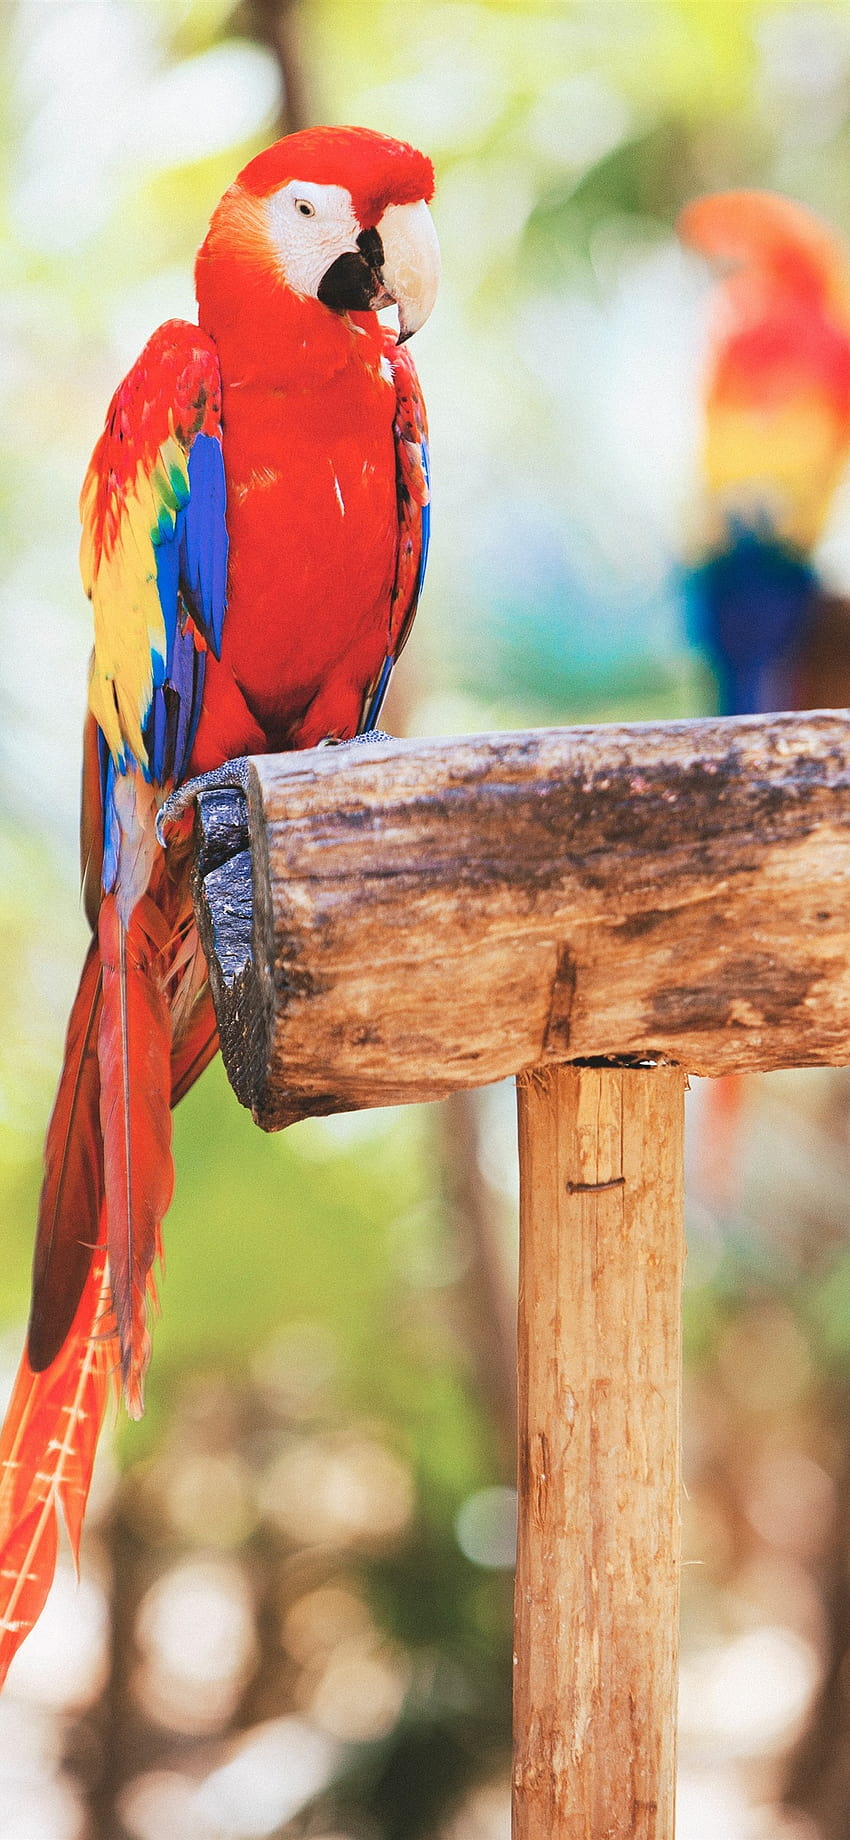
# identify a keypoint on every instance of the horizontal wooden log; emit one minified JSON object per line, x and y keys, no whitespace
{"x":438,"y":914}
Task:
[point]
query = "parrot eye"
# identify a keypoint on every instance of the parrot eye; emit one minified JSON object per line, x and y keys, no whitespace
{"x":305,"y":208}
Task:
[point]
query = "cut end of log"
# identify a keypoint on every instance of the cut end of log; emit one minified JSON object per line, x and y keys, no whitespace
{"x":225,"y":911}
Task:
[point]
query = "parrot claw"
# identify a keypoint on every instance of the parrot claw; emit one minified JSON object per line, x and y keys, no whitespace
{"x":231,"y":777}
{"x":370,"y":734}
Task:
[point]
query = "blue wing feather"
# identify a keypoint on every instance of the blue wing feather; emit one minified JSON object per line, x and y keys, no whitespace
{"x":191,"y":562}
{"x":202,"y":534}
{"x":111,"y":828}
{"x":425,"y":516}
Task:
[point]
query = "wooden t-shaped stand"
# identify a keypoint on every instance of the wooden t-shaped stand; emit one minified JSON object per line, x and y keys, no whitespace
{"x":598,"y":911}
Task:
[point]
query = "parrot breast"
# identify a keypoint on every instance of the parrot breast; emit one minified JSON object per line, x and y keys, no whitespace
{"x":312,"y":517}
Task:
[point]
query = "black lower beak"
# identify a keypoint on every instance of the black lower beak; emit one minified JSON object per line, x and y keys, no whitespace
{"x":353,"y":283}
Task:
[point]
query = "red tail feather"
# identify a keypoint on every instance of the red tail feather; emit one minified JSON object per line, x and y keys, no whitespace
{"x":46,"y":1454}
{"x":121,"y":1069}
{"x":72,"y":1191}
{"x":134,"y":1047}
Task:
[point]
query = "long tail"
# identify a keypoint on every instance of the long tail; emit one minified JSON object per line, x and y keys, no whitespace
{"x":48,"y":1441}
{"x":134,"y":1051}
{"x":109,"y":1138}
{"x":72,"y":1192}
{"x":73,"y":1189}
{"x":47,"y":1450}
{"x":722,"y":1123}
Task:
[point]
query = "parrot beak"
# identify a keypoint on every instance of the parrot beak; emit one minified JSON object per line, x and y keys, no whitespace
{"x":410,"y":271}
{"x":396,"y":263}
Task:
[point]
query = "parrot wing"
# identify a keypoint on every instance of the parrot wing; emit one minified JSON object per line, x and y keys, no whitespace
{"x":413,"y":486}
{"x":154,"y":554}
{"x":154,"y":560}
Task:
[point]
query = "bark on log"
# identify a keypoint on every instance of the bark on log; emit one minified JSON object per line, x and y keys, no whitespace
{"x":434,"y":915}
{"x":599,"y":1387}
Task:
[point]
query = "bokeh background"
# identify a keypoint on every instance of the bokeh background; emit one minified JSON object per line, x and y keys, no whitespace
{"x":294,"y":1612}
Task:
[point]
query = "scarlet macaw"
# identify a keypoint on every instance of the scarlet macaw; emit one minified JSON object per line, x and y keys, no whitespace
{"x":776,"y":441}
{"x":255,"y":522}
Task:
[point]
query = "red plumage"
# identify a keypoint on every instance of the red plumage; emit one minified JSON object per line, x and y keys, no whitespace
{"x":47,"y":1450}
{"x":254,"y":534}
{"x":73,"y":1167}
{"x":134,"y":1051}
{"x":287,"y":677}
{"x":377,"y":170}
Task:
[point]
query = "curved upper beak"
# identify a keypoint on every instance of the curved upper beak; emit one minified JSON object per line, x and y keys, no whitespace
{"x":410,"y":270}
{"x":396,"y":262}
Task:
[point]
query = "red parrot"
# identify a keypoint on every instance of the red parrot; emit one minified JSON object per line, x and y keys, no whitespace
{"x":255,"y":524}
{"x":776,"y":441}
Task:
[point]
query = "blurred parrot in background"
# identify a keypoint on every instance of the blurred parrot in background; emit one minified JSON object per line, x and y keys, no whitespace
{"x":775,"y":445}
{"x":255,"y":524}
{"x":776,"y":442}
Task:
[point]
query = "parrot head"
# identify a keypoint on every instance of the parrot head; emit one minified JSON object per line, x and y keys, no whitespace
{"x":339,"y":215}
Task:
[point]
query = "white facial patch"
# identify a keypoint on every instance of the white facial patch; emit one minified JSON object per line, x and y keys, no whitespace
{"x":309,"y":226}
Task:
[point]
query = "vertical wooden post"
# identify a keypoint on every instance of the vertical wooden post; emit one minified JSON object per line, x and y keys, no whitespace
{"x":597,"y":1591}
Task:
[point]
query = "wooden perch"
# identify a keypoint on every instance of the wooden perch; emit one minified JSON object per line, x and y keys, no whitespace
{"x":386,"y":924}
{"x":390,"y":923}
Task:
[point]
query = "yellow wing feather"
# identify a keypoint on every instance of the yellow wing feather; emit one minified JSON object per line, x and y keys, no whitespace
{"x":120,"y":575}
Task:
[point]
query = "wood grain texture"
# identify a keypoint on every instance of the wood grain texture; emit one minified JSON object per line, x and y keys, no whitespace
{"x":434,"y":915}
{"x":597,"y":1586}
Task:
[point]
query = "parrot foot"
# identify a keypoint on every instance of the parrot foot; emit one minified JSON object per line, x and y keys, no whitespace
{"x":233,"y":776}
